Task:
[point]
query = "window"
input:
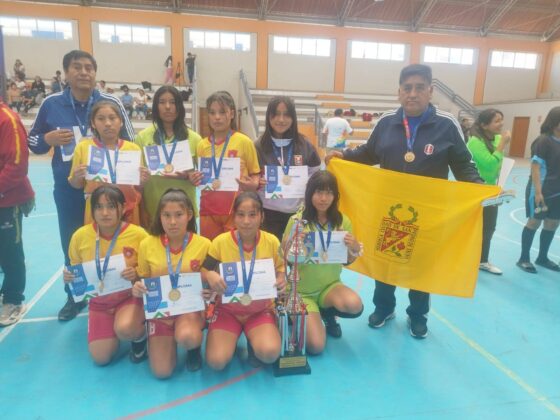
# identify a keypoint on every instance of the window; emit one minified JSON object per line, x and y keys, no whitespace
{"x":377,"y":51}
{"x":36,"y":28}
{"x":302,"y":46}
{"x":448,"y":55}
{"x":518,"y":60}
{"x":220,"y":40}
{"x":120,"y":34}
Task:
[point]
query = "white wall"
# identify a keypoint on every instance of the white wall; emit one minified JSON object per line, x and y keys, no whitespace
{"x":130,"y":62}
{"x":373,"y":76}
{"x":508,"y":84}
{"x":41,"y":57}
{"x":554,"y":86}
{"x":300,"y":72}
{"x":218,"y":69}
{"x":460,"y":78}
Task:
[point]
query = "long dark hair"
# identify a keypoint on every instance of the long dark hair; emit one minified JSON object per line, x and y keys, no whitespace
{"x":95,"y":109}
{"x":322,"y":181}
{"x":477,"y":129}
{"x":225,"y":99}
{"x":111,"y":193}
{"x":168,"y":60}
{"x":180,"y":129}
{"x":248,"y":195}
{"x":173,"y":195}
{"x":551,"y":121}
{"x":292,"y":133}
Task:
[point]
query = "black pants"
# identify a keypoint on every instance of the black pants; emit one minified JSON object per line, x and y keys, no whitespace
{"x":275,"y":222}
{"x":489,"y":218}
{"x":385,"y":302}
{"x":12,"y":259}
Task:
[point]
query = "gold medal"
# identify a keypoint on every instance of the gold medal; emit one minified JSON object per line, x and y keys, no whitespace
{"x":246,"y":299}
{"x":325,"y":256}
{"x":287,"y":180}
{"x":174,"y":295}
{"x":168,"y":168}
{"x":216,"y":184}
{"x":409,"y":157}
{"x":101,"y":286}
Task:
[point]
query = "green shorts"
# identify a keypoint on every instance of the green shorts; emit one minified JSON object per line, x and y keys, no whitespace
{"x":316,"y":300}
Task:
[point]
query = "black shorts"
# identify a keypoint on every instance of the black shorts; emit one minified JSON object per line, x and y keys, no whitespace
{"x":552,"y":204}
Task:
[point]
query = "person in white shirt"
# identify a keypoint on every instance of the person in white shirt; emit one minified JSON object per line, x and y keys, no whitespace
{"x":336,"y":130}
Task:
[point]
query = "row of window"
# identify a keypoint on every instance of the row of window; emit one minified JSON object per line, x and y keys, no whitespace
{"x":117,"y":34}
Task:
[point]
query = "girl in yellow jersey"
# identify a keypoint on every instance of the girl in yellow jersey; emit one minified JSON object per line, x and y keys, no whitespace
{"x":255,"y":318}
{"x":117,"y":316}
{"x":173,"y":243}
{"x":106,"y":123}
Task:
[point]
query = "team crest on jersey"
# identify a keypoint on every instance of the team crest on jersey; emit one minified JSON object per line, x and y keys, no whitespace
{"x":232,"y":153}
{"x":428,"y":149}
{"x":397,"y":234}
{"x":298,"y":160}
{"x":195,"y":265}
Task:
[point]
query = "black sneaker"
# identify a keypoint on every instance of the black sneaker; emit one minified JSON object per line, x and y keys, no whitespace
{"x":331,"y":325}
{"x":418,"y":327}
{"x":527,"y":266}
{"x":70,"y":310}
{"x":138,"y":350}
{"x":194,"y":360}
{"x":546,"y":263}
{"x":251,"y":358}
{"x":377,"y":320}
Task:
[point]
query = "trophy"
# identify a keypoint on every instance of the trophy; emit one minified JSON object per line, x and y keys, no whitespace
{"x":292,"y":314}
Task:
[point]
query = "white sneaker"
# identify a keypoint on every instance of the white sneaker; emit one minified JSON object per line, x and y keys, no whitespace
{"x":490,"y":268}
{"x":11,"y":314}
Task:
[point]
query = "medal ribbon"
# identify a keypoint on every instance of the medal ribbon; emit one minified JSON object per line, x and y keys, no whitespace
{"x":174,"y":274}
{"x":246,"y":278}
{"x":285,"y":163}
{"x":83,"y":127}
{"x":320,"y":230}
{"x":218,"y":167}
{"x":410,"y":139}
{"x":168,"y":156}
{"x":112,"y":172}
{"x":101,"y":272}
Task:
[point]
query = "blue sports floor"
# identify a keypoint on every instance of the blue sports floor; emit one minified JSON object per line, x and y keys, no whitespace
{"x":492,"y":357}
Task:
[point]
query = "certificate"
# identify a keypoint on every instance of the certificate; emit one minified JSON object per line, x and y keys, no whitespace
{"x":280,"y":185}
{"x":181,"y":160}
{"x":230,"y":171}
{"x":67,"y":150}
{"x":86,"y":284}
{"x":263,"y":283}
{"x":128,"y":166}
{"x":158,"y":302}
{"x":337,"y":252}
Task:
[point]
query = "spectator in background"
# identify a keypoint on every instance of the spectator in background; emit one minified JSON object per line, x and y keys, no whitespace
{"x":466,"y":127}
{"x":168,"y":64}
{"x":127,"y":100}
{"x":102,"y":86}
{"x":38,"y":87}
{"x":140,"y":104}
{"x":14,"y":97}
{"x":189,"y":64}
{"x":20,"y":83}
{"x":19,"y":69}
{"x":335,"y":131}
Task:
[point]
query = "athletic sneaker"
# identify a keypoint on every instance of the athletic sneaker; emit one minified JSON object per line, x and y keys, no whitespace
{"x":418,"y":327}
{"x":546,"y":263}
{"x":194,"y":360}
{"x":332,"y":327}
{"x":70,"y":310}
{"x":138,"y":350}
{"x":491,"y":268}
{"x":527,"y":266}
{"x":377,"y":320}
{"x":252,"y":358}
{"x":11,"y":314}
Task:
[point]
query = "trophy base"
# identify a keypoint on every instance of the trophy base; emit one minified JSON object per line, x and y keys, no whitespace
{"x":291,"y":365}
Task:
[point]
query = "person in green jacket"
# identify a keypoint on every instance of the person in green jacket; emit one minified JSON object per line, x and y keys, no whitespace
{"x":486,"y":144}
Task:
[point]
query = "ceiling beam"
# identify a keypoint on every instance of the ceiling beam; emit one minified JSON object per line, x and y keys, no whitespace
{"x":344,"y":12}
{"x":263,"y":9}
{"x":421,"y":14}
{"x":496,"y":16}
{"x":547,"y":36}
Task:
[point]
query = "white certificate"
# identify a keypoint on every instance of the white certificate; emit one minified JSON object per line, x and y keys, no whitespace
{"x":181,"y":161}
{"x":230,"y":171}
{"x":337,"y":252}
{"x":67,"y":150}
{"x":507,"y":166}
{"x":127,"y":168}
{"x":158,"y":302}
{"x":263,"y":282}
{"x":278,"y":185}
{"x":86,"y":283}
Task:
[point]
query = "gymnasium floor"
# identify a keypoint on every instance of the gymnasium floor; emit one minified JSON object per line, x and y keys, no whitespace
{"x":491,"y":357}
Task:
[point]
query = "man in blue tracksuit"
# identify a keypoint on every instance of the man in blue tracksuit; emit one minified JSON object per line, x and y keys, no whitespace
{"x":60,"y":116}
{"x":417,"y":139}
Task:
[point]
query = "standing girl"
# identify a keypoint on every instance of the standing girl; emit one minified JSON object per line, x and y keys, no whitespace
{"x":282,"y":145}
{"x":168,"y":64}
{"x":168,"y":115}
{"x":117,"y":316}
{"x":319,"y":284}
{"x":542,"y":198}
{"x":487,"y":144}
{"x":257,"y":318}
{"x":173,"y":248}
{"x":224,"y":142}
{"x":106,"y":123}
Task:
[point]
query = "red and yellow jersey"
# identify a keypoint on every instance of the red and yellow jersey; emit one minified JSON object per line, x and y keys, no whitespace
{"x":219,"y":203}
{"x":152,"y":258}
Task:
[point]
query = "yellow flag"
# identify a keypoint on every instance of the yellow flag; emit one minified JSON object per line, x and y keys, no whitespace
{"x":419,"y":233}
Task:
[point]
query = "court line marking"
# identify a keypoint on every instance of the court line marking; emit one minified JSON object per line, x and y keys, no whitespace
{"x":42,"y":215}
{"x":7,"y":330}
{"x":497,"y":363}
{"x":520,"y":222}
{"x":191,"y":397}
{"x":48,"y":318}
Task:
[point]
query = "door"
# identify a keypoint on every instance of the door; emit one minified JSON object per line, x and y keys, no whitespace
{"x":519,"y":134}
